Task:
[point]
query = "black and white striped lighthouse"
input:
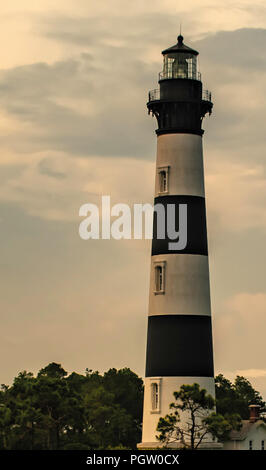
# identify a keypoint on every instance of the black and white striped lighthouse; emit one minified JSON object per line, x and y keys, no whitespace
{"x":179,"y":343}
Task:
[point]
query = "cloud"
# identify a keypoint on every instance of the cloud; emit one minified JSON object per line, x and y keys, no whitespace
{"x":255,"y":376}
{"x":53,"y":185}
{"x":235,"y":131}
{"x":77,"y":127}
{"x":94,"y":102}
{"x":242,"y":187}
{"x":47,"y":167}
{"x":252,"y":373}
{"x":66,"y":300}
{"x":142,"y":22}
{"x":243,"y":53}
{"x":239,"y":327}
{"x":72,"y":107}
{"x":93,"y":106}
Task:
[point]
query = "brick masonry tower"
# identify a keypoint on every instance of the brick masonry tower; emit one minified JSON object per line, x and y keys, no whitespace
{"x":179,"y":342}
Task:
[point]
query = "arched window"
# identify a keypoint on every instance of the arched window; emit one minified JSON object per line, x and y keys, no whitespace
{"x":163,"y":180}
{"x":159,"y":277}
{"x":154,"y":396}
{"x":155,"y":388}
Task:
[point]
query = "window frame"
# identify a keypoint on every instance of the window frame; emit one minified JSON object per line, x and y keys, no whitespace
{"x":161,"y":281}
{"x":155,"y":404}
{"x":163,"y":188}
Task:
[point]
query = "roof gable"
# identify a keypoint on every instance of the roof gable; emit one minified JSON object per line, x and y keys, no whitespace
{"x":248,"y":428}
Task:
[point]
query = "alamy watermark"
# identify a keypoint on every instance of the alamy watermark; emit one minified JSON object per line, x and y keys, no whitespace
{"x":128,"y":224}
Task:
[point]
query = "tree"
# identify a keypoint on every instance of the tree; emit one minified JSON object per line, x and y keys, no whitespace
{"x":25,"y":415}
{"x":127,"y":388}
{"x":199,"y":419}
{"x":54,"y":410}
{"x":247,"y":395}
{"x":194,"y":402}
{"x":235,"y":398}
{"x":220,"y":426}
{"x":60,"y":405}
{"x":53,"y":370}
{"x":5,"y":421}
{"x":111,"y":419}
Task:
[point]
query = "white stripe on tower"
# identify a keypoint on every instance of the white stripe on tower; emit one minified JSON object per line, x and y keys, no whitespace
{"x":179,"y":343}
{"x":182,"y":153}
{"x":186,"y":276}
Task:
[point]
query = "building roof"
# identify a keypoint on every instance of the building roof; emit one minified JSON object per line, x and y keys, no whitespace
{"x":180,"y":47}
{"x":244,"y":431}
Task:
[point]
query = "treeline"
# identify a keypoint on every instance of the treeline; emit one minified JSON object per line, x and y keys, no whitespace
{"x":235,"y":398}
{"x":55,"y":410}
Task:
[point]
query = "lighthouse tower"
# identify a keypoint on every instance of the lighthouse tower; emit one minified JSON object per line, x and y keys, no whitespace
{"x":179,"y":343}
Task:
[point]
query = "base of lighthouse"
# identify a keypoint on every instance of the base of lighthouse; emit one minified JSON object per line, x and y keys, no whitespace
{"x":166,"y":386}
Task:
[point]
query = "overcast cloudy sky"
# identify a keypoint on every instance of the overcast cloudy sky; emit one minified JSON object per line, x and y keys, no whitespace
{"x":73,"y":125}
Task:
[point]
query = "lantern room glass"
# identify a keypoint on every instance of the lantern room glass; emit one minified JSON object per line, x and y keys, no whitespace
{"x":179,"y":65}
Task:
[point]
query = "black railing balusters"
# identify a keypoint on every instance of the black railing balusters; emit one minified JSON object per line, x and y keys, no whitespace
{"x":154,"y":95}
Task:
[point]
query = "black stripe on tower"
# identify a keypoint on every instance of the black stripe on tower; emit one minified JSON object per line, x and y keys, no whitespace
{"x":179,"y":345}
{"x":196,"y":225}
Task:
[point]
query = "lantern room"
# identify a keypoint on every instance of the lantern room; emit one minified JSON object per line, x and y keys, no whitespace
{"x":180,"y":61}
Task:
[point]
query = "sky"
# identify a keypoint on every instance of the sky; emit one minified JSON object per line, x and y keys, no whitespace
{"x":74,"y":79}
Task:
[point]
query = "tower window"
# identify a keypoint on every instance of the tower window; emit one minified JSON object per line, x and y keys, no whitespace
{"x":159,"y":277}
{"x":262,"y":445}
{"x":163,"y":182}
{"x":163,"y":176}
{"x":250,"y":445}
{"x":155,"y":395}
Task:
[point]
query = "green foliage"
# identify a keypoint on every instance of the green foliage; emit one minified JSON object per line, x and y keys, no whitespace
{"x":193,"y":401}
{"x":5,"y":423}
{"x":232,"y":402}
{"x":199,"y":420}
{"x":168,"y":428}
{"x":56,"y":411}
{"x":53,"y":370}
{"x":193,"y":398}
{"x":235,"y":397}
{"x":220,"y":426}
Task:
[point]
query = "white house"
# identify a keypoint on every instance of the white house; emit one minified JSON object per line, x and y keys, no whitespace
{"x":251,"y":436}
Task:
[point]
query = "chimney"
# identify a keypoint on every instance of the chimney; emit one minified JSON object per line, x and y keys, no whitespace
{"x":254,"y":413}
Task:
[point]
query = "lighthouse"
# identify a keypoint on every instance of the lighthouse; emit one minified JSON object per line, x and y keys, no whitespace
{"x":179,"y":340}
